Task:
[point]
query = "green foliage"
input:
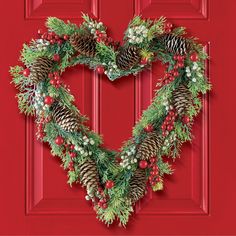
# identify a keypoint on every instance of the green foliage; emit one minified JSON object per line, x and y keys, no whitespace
{"x":119,"y":204}
{"x":60,"y":27}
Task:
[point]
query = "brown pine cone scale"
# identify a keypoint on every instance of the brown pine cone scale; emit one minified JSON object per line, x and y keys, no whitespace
{"x":149,"y":147}
{"x":137,"y":185}
{"x":68,"y":120}
{"x":182,"y":99}
{"x":84,"y":44}
{"x":128,"y":57}
{"x":40,"y":69}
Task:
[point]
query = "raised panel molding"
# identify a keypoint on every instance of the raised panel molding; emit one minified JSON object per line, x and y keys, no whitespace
{"x":172,"y":9}
{"x":70,"y":9}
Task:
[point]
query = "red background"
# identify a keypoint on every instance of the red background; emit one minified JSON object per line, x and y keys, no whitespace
{"x":199,"y":199}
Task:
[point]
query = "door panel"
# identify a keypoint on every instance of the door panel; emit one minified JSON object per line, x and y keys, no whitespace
{"x":197,"y":200}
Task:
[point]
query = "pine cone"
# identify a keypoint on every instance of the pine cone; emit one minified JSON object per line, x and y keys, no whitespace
{"x":137,"y":185}
{"x":149,"y":147}
{"x":40,"y":69}
{"x":175,"y":44}
{"x":127,"y":57}
{"x":89,"y":175}
{"x":182,"y":99}
{"x":84,"y":44}
{"x":65,"y":118}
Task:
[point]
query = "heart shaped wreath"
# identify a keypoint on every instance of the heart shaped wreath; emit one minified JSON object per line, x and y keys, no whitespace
{"x":114,"y":181}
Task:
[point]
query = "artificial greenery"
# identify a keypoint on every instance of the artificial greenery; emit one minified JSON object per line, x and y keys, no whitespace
{"x":87,"y":144}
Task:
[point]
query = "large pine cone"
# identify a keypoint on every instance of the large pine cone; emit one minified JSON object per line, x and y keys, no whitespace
{"x":128,"y":57}
{"x":89,"y":175}
{"x":65,"y":118}
{"x":40,"y":69}
{"x":182,"y":99}
{"x":137,"y":185}
{"x":149,"y":147}
{"x":175,"y":44}
{"x":84,"y":44}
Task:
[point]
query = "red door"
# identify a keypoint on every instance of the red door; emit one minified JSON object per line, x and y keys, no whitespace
{"x":199,"y":199}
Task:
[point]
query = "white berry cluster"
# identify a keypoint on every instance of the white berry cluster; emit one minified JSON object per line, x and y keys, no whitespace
{"x":111,"y":68}
{"x":39,"y":104}
{"x":83,"y":149}
{"x":90,"y":194}
{"x":94,"y":26}
{"x":171,"y":138}
{"x":137,"y":34}
{"x":40,"y":44}
{"x":128,"y":158}
{"x":193,"y":72}
{"x":167,"y":104}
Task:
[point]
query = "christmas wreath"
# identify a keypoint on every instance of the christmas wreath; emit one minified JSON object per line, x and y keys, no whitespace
{"x":114,"y":180}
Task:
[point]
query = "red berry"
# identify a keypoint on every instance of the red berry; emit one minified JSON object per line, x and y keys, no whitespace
{"x":109,"y":184}
{"x":180,"y":64}
{"x":171,"y":113}
{"x":72,"y":146}
{"x":170,"y":127}
{"x":56,"y":57}
{"x":99,"y":40}
{"x":186,"y":119}
{"x":144,"y":61}
{"x":57,"y":77}
{"x":53,"y":81}
{"x":155,"y":167}
{"x":26,"y":72}
{"x":52,"y":41}
{"x":50,"y":75}
{"x":65,"y":37}
{"x":59,"y":42}
{"x":175,"y":57}
{"x":180,"y":58}
{"x":194,"y":56}
{"x":164,"y":133}
{"x":104,"y":205}
{"x":71,"y":166}
{"x":40,"y":31}
{"x":59,"y":140}
{"x":163,"y":127}
{"x":48,"y":100}
{"x":153,"y":159}
{"x":149,"y":128}
{"x":100,"y":35}
{"x":168,"y":30}
{"x":168,"y":118}
{"x":143,"y":164}
{"x":72,"y":154}
{"x":97,"y":32}
{"x":175,"y":73}
{"x":56,"y":37}
{"x":168,"y":25}
{"x":100,"y":70}
{"x":171,"y":78}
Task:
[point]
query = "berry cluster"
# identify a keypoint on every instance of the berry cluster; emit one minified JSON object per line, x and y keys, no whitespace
{"x":154,"y":172}
{"x":52,"y":37}
{"x":170,"y":76}
{"x":100,"y":36}
{"x":102,"y":203}
{"x":168,"y":124}
{"x":40,"y":128}
{"x":55,"y":79}
{"x":179,"y":61}
{"x":168,"y":27}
